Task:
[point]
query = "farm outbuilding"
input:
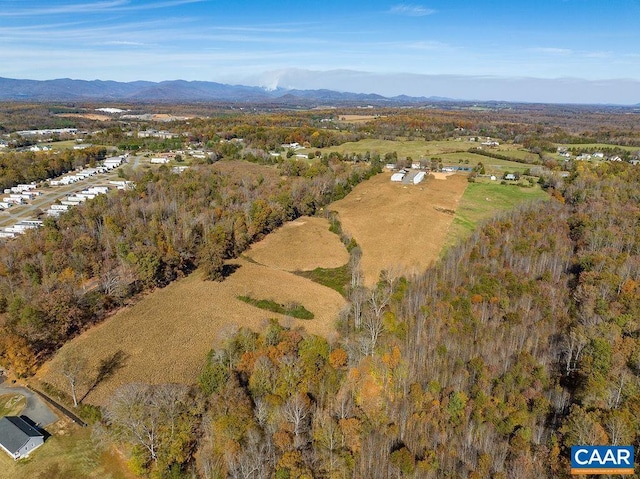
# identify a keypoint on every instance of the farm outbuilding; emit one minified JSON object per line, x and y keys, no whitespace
{"x":419,"y":177}
{"x":398,"y":177}
{"x":17,"y":437}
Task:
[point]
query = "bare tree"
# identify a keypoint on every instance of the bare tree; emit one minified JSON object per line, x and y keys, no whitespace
{"x":358,"y":299}
{"x":74,"y":368}
{"x":297,"y":412}
{"x":327,"y":441}
{"x":135,"y":417}
{"x":354,"y":266}
{"x":379,"y":299}
{"x":252,"y":461}
{"x":372,"y":328}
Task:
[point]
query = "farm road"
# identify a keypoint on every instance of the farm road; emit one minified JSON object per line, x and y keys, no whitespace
{"x":36,"y":409}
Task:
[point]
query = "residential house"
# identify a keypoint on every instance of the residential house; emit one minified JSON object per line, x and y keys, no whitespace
{"x":18,"y":437}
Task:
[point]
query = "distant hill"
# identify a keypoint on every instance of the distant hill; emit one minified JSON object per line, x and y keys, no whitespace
{"x":66,"y":89}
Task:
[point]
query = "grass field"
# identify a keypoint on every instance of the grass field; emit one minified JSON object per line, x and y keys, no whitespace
{"x":483,"y":200}
{"x":12,"y":404}
{"x":493,"y":166}
{"x":397,"y":226}
{"x":301,"y":245}
{"x":588,"y":146}
{"x":358,"y":118}
{"x":417,"y":149}
{"x":516,"y":152}
{"x":166,"y":336}
{"x":68,"y":454}
{"x":413,"y":148}
{"x":62,"y":145}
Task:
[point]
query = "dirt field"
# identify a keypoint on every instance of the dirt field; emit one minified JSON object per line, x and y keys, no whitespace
{"x":166,"y":335}
{"x":301,"y":245}
{"x":88,"y":116}
{"x":400,"y":226}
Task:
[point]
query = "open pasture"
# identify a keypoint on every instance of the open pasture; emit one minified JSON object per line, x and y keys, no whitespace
{"x":517,"y":153}
{"x":400,"y":227}
{"x":87,"y":116}
{"x":166,"y":335}
{"x":301,"y":245}
{"x":357,"y":118}
{"x":483,"y":200}
{"x":492,"y":166}
{"x":417,"y":149}
{"x":405,"y":148}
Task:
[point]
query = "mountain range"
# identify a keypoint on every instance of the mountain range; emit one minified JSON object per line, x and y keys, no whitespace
{"x":66,"y":89}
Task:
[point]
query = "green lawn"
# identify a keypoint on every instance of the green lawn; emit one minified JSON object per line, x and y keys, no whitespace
{"x":482,"y":200}
{"x":12,"y":404}
{"x":61,"y":145}
{"x":71,"y":456}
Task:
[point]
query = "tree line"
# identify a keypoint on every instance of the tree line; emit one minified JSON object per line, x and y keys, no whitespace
{"x":28,"y":166}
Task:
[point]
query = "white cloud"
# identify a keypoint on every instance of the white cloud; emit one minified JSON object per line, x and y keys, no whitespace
{"x":410,"y":10}
{"x":124,"y":43}
{"x":552,"y":51}
{"x":427,"y":45}
{"x":93,"y":7}
{"x":597,"y":54}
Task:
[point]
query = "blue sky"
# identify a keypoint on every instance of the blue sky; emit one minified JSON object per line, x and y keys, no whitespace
{"x":260,"y":42}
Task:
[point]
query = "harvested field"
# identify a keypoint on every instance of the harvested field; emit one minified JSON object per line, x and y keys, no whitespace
{"x":358,"y":118}
{"x":398,"y":226}
{"x":88,"y":116}
{"x":301,"y":245}
{"x":166,"y":335}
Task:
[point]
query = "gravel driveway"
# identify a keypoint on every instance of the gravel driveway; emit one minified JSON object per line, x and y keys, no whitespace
{"x":36,"y":409}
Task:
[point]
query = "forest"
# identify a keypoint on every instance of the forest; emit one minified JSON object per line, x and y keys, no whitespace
{"x":518,"y":343}
{"x":522,"y":342}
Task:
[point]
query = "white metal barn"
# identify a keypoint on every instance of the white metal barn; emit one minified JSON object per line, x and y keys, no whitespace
{"x":419,"y":177}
